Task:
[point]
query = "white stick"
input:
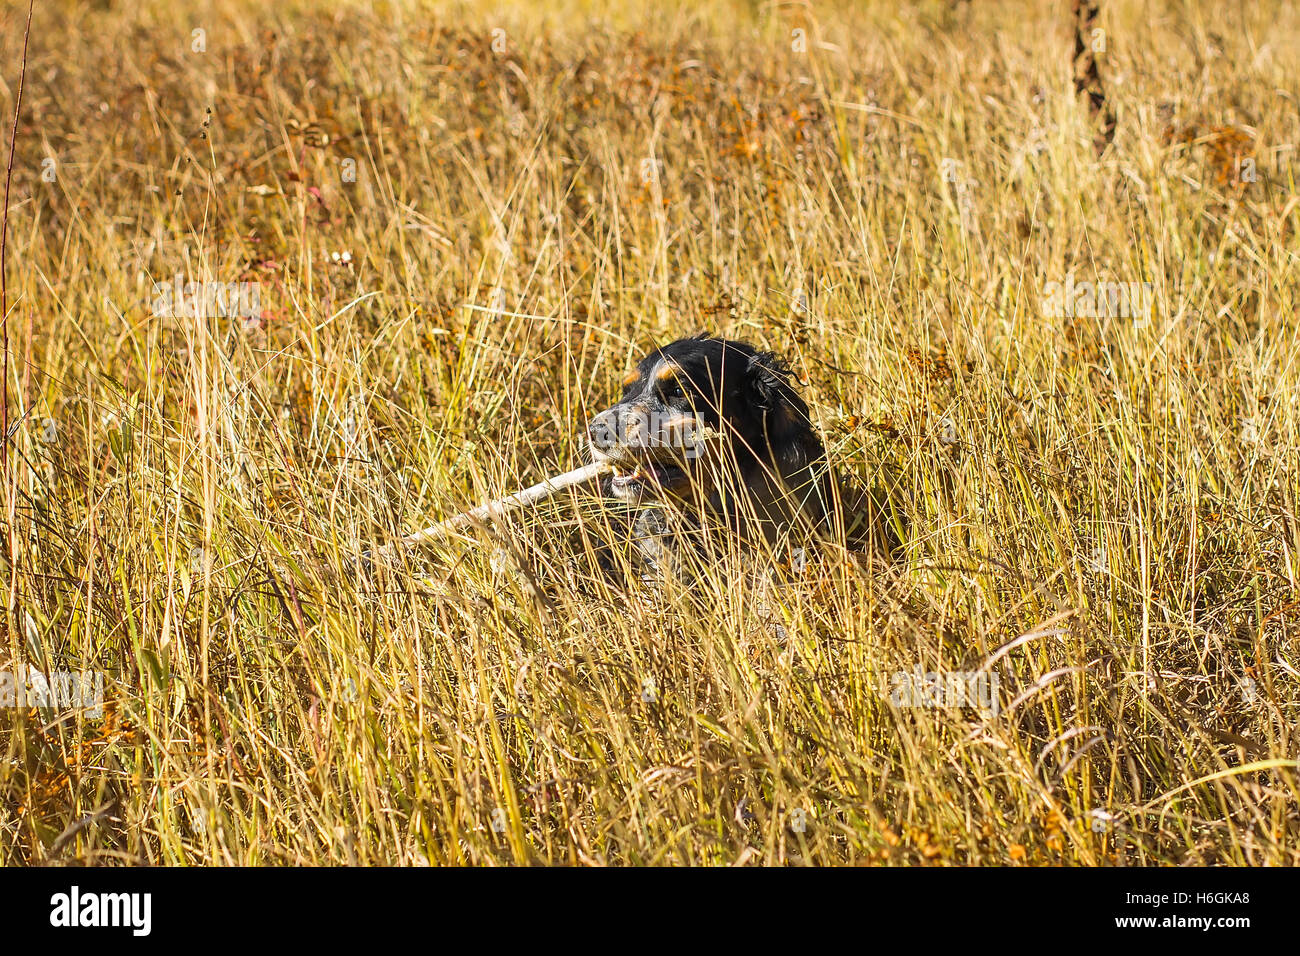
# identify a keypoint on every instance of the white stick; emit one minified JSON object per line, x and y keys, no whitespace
{"x":495,"y":509}
{"x":698,"y":441}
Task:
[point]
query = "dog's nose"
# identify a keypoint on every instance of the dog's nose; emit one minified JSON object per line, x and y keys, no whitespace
{"x":603,"y":430}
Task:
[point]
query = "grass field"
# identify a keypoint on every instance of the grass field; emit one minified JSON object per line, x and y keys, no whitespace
{"x":459,"y":225}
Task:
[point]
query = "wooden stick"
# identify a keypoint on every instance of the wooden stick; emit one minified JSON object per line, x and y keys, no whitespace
{"x":697,"y":442}
{"x":495,"y":509}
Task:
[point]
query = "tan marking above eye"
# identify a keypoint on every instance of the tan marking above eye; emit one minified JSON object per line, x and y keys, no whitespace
{"x":631,"y":378}
{"x":666,"y":371}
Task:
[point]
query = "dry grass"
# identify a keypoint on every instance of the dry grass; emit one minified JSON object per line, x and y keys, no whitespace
{"x":1113,"y":505}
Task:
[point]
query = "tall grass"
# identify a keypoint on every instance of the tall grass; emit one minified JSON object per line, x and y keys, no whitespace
{"x":1101,"y":511}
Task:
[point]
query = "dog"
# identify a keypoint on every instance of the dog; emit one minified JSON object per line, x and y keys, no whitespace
{"x":760,"y":471}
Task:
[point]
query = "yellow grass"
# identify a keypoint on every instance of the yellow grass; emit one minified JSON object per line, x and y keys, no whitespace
{"x":1101,"y":512}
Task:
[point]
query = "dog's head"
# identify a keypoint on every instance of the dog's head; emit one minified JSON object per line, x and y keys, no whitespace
{"x":708,"y":385}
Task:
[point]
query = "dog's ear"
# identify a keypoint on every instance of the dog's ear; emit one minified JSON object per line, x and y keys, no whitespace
{"x":768,"y":382}
{"x":786,"y":427}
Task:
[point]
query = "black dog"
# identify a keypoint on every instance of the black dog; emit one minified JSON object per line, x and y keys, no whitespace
{"x":767,"y":479}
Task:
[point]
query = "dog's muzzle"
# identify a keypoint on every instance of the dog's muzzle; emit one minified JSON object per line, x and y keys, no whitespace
{"x":651,"y":453}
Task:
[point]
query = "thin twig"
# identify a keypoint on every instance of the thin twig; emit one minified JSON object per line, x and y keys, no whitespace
{"x":10,"y":496}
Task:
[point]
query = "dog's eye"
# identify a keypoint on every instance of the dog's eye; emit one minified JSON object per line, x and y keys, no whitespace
{"x":672,"y":390}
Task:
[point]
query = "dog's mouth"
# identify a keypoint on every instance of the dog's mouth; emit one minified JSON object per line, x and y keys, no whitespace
{"x":639,"y":472}
{"x":646,"y":477}
{"x":658,"y":465}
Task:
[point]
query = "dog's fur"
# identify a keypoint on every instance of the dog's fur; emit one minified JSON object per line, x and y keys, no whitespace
{"x":771,"y":482}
